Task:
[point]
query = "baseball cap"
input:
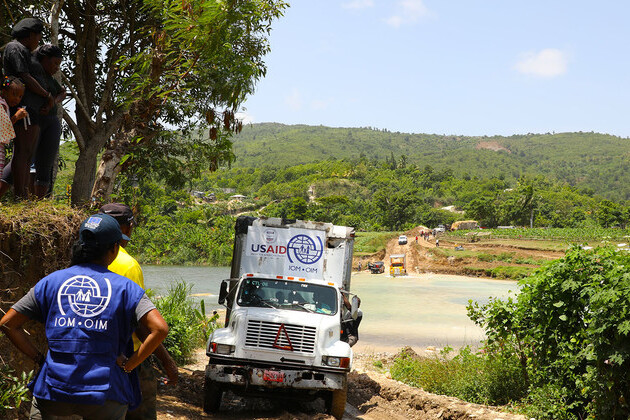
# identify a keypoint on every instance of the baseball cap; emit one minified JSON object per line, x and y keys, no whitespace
{"x":101,"y":230}
{"x":26,"y":26}
{"x":119,"y":211}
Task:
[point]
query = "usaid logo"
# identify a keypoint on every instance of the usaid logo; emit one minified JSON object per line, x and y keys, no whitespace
{"x":305,"y":249}
{"x":84,"y":296}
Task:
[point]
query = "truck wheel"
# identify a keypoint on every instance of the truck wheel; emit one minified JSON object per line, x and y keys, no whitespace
{"x":211,"y":396}
{"x":336,"y":402}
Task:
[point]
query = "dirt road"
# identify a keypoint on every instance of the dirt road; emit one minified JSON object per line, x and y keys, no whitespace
{"x":422,"y":259}
{"x":371,"y":396}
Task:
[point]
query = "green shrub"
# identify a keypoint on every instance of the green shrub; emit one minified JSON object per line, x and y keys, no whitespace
{"x":371,"y":242}
{"x":482,"y":256}
{"x":570,"y":327}
{"x":510,"y":272}
{"x":165,"y":240}
{"x":504,"y":256}
{"x":530,"y":261}
{"x":188,"y":325}
{"x":481,"y":378}
{"x":500,"y":272}
{"x":548,"y":401}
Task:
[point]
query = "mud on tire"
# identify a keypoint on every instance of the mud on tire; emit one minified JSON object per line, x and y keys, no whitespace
{"x":336,"y":402}
{"x":212,"y":395}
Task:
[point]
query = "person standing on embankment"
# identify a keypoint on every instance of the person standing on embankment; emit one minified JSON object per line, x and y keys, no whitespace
{"x":16,"y":61}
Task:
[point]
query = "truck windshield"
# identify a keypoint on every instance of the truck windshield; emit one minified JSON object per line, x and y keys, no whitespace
{"x":291,"y":295}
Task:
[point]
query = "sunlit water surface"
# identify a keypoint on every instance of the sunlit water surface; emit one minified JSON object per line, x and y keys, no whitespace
{"x":417,"y":311}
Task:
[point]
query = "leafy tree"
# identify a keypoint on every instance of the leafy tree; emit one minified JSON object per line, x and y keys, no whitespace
{"x":293,"y":208}
{"x":395,"y":207}
{"x":570,"y":326}
{"x":136,"y":66}
{"x":483,"y":210}
{"x":609,"y":213}
{"x":526,"y":200}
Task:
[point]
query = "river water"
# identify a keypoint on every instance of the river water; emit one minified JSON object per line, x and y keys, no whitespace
{"x":427,"y":310}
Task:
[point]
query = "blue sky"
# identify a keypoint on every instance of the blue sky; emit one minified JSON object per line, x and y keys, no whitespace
{"x":467,"y":67}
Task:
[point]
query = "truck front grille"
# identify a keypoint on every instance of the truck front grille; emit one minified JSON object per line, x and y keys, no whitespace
{"x":273,"y":335}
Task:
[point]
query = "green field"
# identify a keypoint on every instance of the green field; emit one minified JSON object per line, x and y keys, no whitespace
{"x":368,"y":243}
{"x":576,"y":235}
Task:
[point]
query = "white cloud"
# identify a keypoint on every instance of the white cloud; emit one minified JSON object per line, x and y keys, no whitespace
{"x":394,"y":21}
{"x":294,"y":100}
{"x":358,"y":4}
{"x":410,"y":11}
{"x":549,"y":62}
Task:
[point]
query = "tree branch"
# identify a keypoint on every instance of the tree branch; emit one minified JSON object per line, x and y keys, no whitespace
{"x":75,"y":129}
{"x":107,"y":93}
{"x":78,"y":101}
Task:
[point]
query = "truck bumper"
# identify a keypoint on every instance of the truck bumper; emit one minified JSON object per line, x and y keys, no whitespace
{"x":248,"y":376}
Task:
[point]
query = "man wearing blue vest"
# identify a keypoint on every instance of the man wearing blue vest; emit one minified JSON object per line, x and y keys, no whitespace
{"x":89,"y":314}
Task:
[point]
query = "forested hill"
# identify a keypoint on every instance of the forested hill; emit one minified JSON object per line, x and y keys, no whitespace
{"x":589,"y":160}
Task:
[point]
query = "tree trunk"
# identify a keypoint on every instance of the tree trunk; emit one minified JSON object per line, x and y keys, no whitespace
{"x":84,"y":171}
{"x":108,"y":169}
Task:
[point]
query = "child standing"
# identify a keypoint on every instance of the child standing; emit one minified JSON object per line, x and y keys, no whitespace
{"x":11,"y":92}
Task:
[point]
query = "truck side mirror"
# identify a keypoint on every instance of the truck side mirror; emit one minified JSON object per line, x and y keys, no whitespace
{"x":223,"y":292}
{"x":354,"y":310}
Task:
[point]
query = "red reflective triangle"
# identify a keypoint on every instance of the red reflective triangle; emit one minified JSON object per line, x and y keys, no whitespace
{"x":280,"y":346}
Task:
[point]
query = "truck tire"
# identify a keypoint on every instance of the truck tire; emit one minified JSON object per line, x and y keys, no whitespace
{"x":336,"y":402}
{"x":212,"y":394}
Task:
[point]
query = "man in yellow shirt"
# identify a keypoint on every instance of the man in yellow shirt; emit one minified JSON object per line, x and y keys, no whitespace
{"x":127,"y":266}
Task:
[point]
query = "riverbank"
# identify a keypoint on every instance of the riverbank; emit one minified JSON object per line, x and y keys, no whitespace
{"x":454,"y":255}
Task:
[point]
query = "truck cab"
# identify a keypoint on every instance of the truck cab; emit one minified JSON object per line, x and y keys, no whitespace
{"x":398,"y":265}
{"x":282,"y":334}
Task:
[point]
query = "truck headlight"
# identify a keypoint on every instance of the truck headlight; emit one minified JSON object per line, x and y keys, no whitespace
{"x":221,"y":348}
{"x":341,"y":362}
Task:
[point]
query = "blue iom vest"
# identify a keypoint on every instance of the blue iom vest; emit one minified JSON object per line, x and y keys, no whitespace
{"x":89,"y":316}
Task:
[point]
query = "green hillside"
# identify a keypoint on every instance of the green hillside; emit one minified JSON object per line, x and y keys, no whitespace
{"x":592,"y":161}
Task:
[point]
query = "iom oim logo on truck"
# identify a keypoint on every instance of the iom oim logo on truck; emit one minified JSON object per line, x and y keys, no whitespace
{"x":305,"y":249}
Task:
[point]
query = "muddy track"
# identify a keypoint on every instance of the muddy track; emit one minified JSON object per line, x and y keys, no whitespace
{"x":422,"y":259}
{"x":371,"y":396}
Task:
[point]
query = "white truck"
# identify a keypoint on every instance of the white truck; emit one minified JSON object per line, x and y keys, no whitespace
{"x":283,"y":326}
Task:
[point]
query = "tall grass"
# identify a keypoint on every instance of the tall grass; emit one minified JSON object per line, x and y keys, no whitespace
{"x":475,"y":377}
{"x":366,"y":243}
{"x":188,"y":325}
